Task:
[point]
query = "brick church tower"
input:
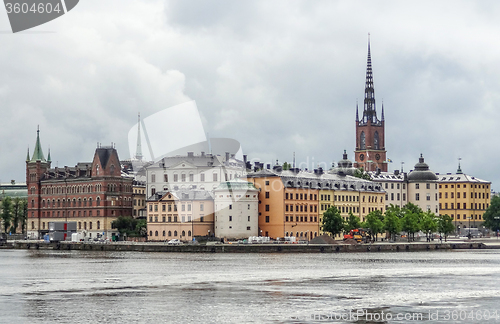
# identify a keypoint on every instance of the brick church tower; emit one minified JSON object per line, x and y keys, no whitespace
{"x":370,"y":153}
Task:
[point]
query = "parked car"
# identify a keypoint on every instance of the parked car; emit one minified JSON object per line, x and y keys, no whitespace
{"x":174,"y":242}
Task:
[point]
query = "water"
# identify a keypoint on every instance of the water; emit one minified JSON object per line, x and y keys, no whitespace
{"x":128,"y":287}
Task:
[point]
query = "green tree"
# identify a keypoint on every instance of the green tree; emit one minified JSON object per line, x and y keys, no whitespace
{"x":445,"y":225}
{"x":392,"y":221}
{"x":411,"y":208}
{"x":24,"y":215}
{"x":353,"y":222}
{"x":360,"y":173}
{"x":16,"y":214}
{"x":428,"y":223}
{"x":375,"y":223}
{"x":332,"y":221}
{"x":491,"y":216}
{"x":410,"y":224}
{"x":286,"y":166}
{"x":395,"y":210}
{"x":6,"y":213}
{"x":130,"y":226}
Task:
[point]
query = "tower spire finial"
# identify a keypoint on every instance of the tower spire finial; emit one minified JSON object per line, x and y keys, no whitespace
{"x":382,"y":117}
{"x":357,"y":116}
{"x":138,"y":151}
{"x":459,"y":170}
{"x":38,"y":153}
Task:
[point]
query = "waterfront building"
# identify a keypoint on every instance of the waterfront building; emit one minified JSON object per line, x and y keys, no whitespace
{"x":292,"y":202}
{"x":93,"y":194}
{"x":181,"y":214}
{"x":236,"y":210}
{"x":464,"y":198}
{"x":192,"y":172}
{"x":13,"y":190}
{"x":370,"y":153}
{"x":419,"y":187}
{"x":139,"y":199}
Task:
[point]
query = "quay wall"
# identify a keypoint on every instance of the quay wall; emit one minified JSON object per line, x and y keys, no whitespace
{"x":249,"y":248}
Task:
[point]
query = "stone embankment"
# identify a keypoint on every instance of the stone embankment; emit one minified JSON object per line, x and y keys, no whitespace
{"x":251,"y":248}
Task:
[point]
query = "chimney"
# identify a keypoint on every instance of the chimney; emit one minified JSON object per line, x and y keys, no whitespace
{"x":396,"y":172}
{"x":227,"y":156}
{"x":202,"y":153}
{"x":190,"y":154}
{"x":245,"y":159}
{"x":268,"y":166}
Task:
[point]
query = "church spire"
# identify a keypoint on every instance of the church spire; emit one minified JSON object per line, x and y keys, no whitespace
{"x":357,"y":116}
{"x":138,"y":151}
{"x":48,"y":157}
{"x":369,"y":111}
{"x":38,"y":154}
{"x":382,"y":117}
{"x":28,"y":155}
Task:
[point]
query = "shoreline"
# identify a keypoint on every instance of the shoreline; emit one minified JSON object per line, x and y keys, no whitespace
{"x":253,"y":248}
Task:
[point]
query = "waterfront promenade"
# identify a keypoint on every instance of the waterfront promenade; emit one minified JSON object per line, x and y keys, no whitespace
{"x":340,"y":247}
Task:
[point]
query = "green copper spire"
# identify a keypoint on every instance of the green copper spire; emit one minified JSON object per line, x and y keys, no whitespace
{"x":38,"y":154}
{"x":28,"y":155}
{"x":48,"y":157}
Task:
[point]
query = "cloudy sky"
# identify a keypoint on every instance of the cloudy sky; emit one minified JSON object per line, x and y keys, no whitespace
{"x":278,"y":76}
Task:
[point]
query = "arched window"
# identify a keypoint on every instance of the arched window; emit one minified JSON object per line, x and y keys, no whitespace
{"x":376,"y":141}
{"x":183,"y":233}
{"x":169,"y":233}
{"x":362,"y":140}
{"x":156,"y":233}
{"x":189,"y":233}
{"x":163,"y":233}
{"x":32,"y":225}
{"x":175,"y":233}
{"x":98,"y":201}
{"x":150,"y":233}
{"x":98,"y":225}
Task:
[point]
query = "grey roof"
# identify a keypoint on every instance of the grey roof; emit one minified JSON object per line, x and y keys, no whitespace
{"x":386,"y":176}
{"x":459,"y":177}
{"x":236,"y":184}
{"x":205,"y":160}
{"x":421,"y":172}
{"x":306,"y":179}
{"x":183,"y":195}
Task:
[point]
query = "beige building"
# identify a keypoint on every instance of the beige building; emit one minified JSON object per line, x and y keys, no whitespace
{"x":139,"y":199}
{"x":180,"y":215}
{"x":236,"y":210}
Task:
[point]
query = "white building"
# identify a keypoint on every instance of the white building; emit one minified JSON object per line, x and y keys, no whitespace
{"x":236,"y":210}
{"x":419,"y":187}
{"x":200,"y":172}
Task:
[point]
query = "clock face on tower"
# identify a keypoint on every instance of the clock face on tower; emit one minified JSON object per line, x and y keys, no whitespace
{"x":361,"y":157}
{"x":377,"y":156}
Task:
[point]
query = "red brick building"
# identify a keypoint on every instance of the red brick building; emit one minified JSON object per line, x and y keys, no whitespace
{"x":91,"y":194}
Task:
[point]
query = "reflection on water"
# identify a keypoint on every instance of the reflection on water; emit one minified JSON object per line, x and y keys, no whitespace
{"x":38,"y":286}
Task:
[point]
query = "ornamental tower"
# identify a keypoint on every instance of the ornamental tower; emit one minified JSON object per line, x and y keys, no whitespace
{"x":370,"y":153}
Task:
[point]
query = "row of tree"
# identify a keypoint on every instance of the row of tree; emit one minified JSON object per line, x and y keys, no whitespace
{"x":410,"y":219}
{"x":14,"y":214}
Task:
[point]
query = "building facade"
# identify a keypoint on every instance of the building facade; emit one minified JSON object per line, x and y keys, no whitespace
{"x":464,"y":198}
{"x":370,"y":153}
{"x":236,"y":210}
{"x":91,"y":194}
{"x":292,"y":202}
{"x":181,"y":214}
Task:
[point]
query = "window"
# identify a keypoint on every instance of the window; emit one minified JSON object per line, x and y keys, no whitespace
{"x":191,"y":177}
{"x":176,"y":177}
{"x":202,"y":177}
{"x":417,"y":197}
{"x":201,"y":219}
{"x":428,"y":196}
{"x":248,"y":228}
{"x":215,"y":177}
{"x":230,"y":218}
{"x":267,"y":207}
{"x":165,"y":179}
{"x":428,"y":186}
{"x":267,"y":194}
{"x":267,"y":219}
{"x":153,"y":177}
{"x":249,"y":218}
{"x":417,"y":186}
{"x":267,"y":183}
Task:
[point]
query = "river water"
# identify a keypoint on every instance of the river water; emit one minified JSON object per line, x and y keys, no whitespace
{"x":131,"y":287}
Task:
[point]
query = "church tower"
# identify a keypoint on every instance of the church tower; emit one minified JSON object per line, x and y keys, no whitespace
{"x":370,"y":153}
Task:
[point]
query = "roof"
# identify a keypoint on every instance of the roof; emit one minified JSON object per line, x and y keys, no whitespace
{"x":203,"y":160}
{"x":386,"y":176}
{"x":318,"y":180}
{"x":183,"y":195}
{"x":38,"y":153}
{"x":459,"y":177}
{"x":236,"y":184}
{"x":421,"y":172}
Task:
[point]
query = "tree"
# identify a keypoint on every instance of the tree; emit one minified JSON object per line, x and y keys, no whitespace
{"x":130,"y":226}
{"x":360,"y":173}
{"x":428,"y":223}
{"x":6,"y":212}
{"x":332,"y":221}
{"x":396,"y":210}
{"x":492,"y":215}
{"x":374,"y":221}
{"x":16,"y":214}
{"x":24,"y":215}
{"x":353,"y":222}
{"x":445,"y":225}
{"x":392,"y":222}
{"x":286,"y":166}
{"x":410,"y":224}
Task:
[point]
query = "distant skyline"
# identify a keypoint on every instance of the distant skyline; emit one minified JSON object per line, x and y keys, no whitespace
{"x":279,"y":77}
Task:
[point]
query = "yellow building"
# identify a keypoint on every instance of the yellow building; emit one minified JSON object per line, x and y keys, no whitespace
{"x":464,"y":198}
{"x":292,"y":202}
{"x":139,"y":198}
{"x":180,"y":215}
